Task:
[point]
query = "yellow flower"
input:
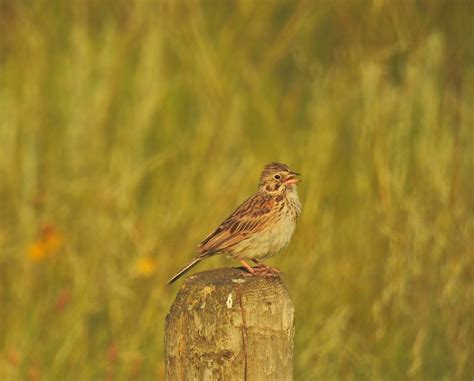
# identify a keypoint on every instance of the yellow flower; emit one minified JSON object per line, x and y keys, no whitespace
{"x":145,"y":266}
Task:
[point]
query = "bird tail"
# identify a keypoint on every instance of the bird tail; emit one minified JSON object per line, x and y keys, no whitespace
{"x":185,"y":269}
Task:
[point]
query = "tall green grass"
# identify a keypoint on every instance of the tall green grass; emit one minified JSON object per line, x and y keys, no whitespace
{"x":130,"y":129}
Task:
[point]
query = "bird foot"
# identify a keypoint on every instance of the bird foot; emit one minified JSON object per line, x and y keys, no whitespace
{"x":264,"y":270}
{"x":261,"y":270}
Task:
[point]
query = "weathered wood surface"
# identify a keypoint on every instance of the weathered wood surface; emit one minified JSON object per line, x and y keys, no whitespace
{"x":226,"y":326}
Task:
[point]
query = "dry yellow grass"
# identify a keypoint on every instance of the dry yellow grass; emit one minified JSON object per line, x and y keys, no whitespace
{"x":129,"y":129}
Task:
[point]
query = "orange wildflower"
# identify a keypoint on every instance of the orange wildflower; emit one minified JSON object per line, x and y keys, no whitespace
{"x":36,"y":251}
{"x":46,"y":245}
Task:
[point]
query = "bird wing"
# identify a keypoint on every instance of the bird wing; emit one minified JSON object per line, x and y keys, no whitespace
{"x":249,"y":218}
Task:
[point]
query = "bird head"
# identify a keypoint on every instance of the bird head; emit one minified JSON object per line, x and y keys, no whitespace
{"x":277,"y":178}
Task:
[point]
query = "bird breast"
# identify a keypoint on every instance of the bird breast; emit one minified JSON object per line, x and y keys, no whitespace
{"x":276,"y":236}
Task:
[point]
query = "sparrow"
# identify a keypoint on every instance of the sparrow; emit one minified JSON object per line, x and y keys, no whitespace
{"x":260,"y":227}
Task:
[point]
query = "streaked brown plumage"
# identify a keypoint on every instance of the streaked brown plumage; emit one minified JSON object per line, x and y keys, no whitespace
{"x":260,"y":227}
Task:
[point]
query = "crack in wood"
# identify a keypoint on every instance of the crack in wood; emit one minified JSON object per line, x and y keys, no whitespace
{"x":244,"y":333}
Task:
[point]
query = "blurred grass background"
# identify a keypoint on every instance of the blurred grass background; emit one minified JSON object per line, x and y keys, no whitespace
{"x":130,"y":129}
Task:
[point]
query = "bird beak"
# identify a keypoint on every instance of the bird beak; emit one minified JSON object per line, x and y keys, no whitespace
{"x":292,"y":179}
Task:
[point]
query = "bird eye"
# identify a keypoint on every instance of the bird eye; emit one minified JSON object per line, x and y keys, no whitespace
{"x":278,"y":177}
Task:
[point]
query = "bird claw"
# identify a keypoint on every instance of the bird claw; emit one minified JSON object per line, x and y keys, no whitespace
{"x":262,"y":270}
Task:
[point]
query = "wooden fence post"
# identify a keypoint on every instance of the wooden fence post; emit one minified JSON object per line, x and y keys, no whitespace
{"x":226,"y":326}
